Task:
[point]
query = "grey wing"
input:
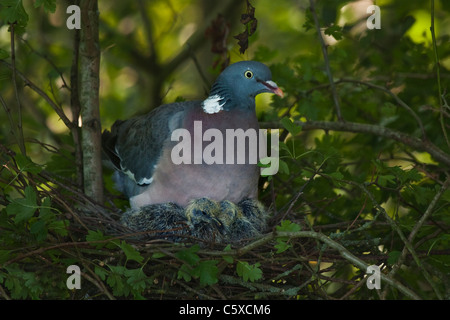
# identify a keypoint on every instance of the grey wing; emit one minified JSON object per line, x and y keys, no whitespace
{"x":135,"y":146}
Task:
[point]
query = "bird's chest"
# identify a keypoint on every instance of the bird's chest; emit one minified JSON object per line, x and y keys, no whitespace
{"x":213,"y":156}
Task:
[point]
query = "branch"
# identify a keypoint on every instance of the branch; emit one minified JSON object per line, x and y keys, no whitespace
{"x":327,"y":62}
{"x":346,"y":254}
{"x":394,"y":96}
{"x":20,"y":138}
{"x":401,"y":137}
{"x":40,"y":92}
{"x":408,"y":244}
{"x":438,"y":76}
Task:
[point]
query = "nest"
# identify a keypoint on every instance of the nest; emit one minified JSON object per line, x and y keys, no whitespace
{"x":289,"y":260}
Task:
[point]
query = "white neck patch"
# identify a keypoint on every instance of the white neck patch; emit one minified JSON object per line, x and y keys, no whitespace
{"x":212,"y":105}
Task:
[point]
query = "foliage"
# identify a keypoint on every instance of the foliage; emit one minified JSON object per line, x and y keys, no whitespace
{"x":364,"y":150}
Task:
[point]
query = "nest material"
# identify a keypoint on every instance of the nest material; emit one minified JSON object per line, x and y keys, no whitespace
{"x":268,"y":264}
{"x":212,"y":221}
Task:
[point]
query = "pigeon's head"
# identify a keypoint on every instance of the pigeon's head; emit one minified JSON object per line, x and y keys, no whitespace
{"x":238,"y":85}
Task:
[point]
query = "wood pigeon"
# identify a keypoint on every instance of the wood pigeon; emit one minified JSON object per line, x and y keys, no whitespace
{"x":141,"y":149}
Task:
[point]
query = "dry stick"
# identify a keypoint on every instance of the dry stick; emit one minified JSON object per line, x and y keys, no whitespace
{"x":99,"y":285}
{"x":327,"y":62}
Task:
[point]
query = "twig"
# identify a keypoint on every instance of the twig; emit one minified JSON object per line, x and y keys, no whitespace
{"x":327,"y":62}
{"x":417,"y":227}
{"x":20,"y":138}
{"x":429,"y":210}
{"x":40,"y":92}
{"x":355,"y":127}
{"x":438,"y":76}
{"x":397,"y":229}
{"x":43,"y":56}
{"x":10,"y":118}
{"x":148,"y":31}
{"x":394,"y":96}
{"x":346,"y":254}
{"x":4,"y":294}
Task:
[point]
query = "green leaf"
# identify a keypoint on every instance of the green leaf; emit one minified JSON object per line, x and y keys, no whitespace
{"x":227,"y":258}
{"x":249,"y":272}
{"x":185,"y":273}
{"x":59,"y":227}
{"x":283,"y":167}
{"x":383,"y":180}
{"x":189,"y":255}
{"x":335,"y":31}
{"x":288,"y":226}
{"x":39,"y":230}
{"x":264,"y":53}
{"x":25,"y":164}
{"x":158,"y":255}
{"x":136,"y":279}
{"x":4,"y":256}
{"x":393,"y":257}
{"x":281,"y":246}
{"x":117,"y":282}
{"x":49,"y":5}
{"x":12,"y":11}
{"x":102,"y":273}
{"x":207,"y":272}
{"x":291,"y":126}
{"x":3,"y":54}
{"x":131,"y":252}
{"x":23,"y":208}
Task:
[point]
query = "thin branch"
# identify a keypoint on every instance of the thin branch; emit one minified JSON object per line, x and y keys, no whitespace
{"x":429,"y":210}
{"x":148,"y":31}
{"x":52,"y":64}
{"x":10,"y":118}
{"x":20,"y":138}
{"x":417,"y":227}
{"x":355,"y":127}
{"x":397,"y":229}
{"x":346,"y":254}
{"x":327,"y":62}
{"x":40,"y":92}
{"x":394,"y":96}
{"x":438,"y":76}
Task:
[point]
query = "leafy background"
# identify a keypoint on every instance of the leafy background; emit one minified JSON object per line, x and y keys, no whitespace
{"x":364,"y":170}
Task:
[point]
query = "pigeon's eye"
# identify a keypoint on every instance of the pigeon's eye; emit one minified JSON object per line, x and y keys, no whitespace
{"x":248,"y":74}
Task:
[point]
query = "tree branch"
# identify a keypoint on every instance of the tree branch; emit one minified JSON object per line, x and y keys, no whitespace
{"x":384,"y":132}
{"x":347,"y":255}
{"x":327,"y":62}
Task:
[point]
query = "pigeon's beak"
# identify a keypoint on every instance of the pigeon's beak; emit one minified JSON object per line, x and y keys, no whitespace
{"x":273,"y":87}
